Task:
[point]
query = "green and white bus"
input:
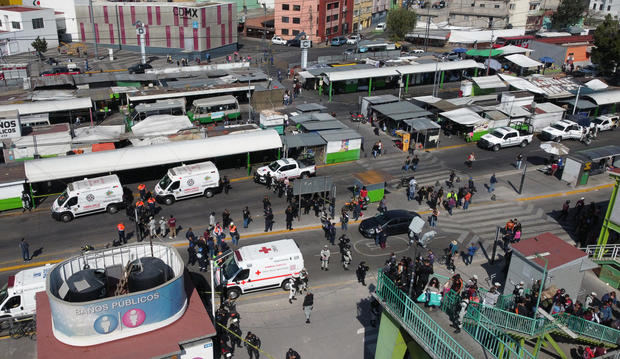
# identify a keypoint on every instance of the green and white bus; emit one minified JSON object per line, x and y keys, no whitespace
{"x":212,"y":109}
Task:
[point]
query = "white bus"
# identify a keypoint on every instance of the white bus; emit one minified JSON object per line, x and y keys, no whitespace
{"x":212,"y":109}
{"x":175,"y":107}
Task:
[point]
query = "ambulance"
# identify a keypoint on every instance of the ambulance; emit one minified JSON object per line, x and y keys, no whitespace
{"x":259,"y":267}
{"x":90,"y":195}
{"x":199,"y":179}
{"x":17,"y":297}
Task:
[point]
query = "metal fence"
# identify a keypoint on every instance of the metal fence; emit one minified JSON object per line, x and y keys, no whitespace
{"x":427,"y":332}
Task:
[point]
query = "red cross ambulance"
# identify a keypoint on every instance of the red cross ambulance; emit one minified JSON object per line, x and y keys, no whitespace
{"x":258,"y":267}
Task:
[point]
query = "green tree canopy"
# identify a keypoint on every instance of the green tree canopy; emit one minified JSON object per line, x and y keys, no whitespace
{"x":606,"y":53}
{"x":400,"y":22}
{"x":569,"y":13}
{"x":39,"y":45}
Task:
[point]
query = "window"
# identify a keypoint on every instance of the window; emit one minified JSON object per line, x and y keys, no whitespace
{"x":329,"y":6}
{"x":608,"y":7}
{"x":594,"y":7}
{"x":296,"y":20}
{"x":356,"y":13}
{"x":296,"y":7}
{"x":533,"y":6}
{"x":335,"y":29}
{"x":285,"y":19}
{"x":512,"y":6}
{"x":0,"y":23}
{"x":71,"y":202}
{"x":497,"y":6}
{"x":12,"y":303}
{"x":37,"y":23}
{"x":284,"y":31}
{"x":452,"y":16}
{"x":600,"y":7}
{"x":482,"y":5}
{"x":295,"y":32}
{"x":243,"y":275}
{"x":328,"y":31}
{"x":334,"y":17}
{"x":174,"y":186}
{"x":473,"y":4}
{"x":16,"y":25}
{"x":335,"y":5}
{"x":285,"y":6}
{"x":328,"y":18}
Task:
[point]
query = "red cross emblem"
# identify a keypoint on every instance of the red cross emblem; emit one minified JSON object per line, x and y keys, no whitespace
{"x":264,"y":250}
{"x":242,"y":282}
{"x":258,"y":272}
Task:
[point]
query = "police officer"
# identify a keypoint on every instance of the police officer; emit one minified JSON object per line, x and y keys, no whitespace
{"x":325,"y":258}
{"x":348,"y":257}
{"x":268,"y":220}
{"x":289,"y":218}
{"x":361,"y":270}
{"x":462,"y":306}
{"x":226,"y":184}
{"x":121,"y":233}
{"x":292,"y":354}
{"x":26,"y":201}
{"x":252,"y":342}
{"x":292,"y":288}
{"x":152,"y":227}
{"x":235,"y":336}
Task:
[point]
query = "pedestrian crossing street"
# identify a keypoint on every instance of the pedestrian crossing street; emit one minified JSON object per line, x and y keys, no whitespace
{"x":479,"y":223}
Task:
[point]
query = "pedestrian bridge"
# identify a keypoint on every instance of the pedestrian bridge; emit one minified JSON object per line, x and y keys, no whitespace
{"x":488,"y":332}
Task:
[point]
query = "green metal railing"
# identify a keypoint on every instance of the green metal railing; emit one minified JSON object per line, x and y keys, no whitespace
{"x":424,"y":328}
{"x":588,"y":329}
{"x":491,"y":336}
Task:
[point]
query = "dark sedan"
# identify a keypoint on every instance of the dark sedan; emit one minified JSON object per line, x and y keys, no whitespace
{"x":393,"y":222}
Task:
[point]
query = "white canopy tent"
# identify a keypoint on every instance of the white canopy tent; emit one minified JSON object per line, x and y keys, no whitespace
{"x":469,"y":36}
{"x":605,"y":97}
{"x":489,"y":82}
{"x":139,"y":157}
{"x":98,"y":133}
{"x":158,"y":125}
{"x":521,"y":84}
{"x":512,"y":49}
{"x":29,"y":108}
{"x":523,"y":61}
{"x":463,"y":116}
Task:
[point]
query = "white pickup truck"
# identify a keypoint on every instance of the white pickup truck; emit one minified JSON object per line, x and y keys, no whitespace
{"x":562,"y":130}
{"x":504,"y":137}
{"x":605,"y":122}
{"x":285,"y":168}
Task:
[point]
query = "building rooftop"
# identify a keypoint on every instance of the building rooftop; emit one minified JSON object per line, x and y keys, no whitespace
{"x":560,"y":251}
{"x":20,"y":8}
{"x":567,"y":39}
{"x":194,"y":325}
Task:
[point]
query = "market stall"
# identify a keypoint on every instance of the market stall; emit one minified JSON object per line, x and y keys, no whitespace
{"x":585,"y":163}
{"x":424,"y":132}
{"x":304,"y":144}
{"x":370,"y":101}
{"x":374,"y":181}
{"x":467,"y":122}
{"x":342,"y":145}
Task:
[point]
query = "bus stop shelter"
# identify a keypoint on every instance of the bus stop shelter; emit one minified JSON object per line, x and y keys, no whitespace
{"x":424,"y":131}
{"x":585,"y":163}
{"x":323,"y":186}
{"x":374,"y":181}
{"x":304,"y":143}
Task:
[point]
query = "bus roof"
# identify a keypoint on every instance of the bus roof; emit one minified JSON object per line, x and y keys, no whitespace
{"x":215,"y":100}
{"x":523,"y":37}
{"x":28,"y":108}
{"x":283,"y":247}
{"x":94,"y":183}
{"x":161,"y":105}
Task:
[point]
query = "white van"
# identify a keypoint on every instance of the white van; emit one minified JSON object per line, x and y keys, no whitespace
{"x":259,"y":267}
{"x":17,"y":297}
{"x":87,"y":196}
{"x":199,"y":179}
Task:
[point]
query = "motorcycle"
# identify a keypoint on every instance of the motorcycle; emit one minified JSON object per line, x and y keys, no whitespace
{"x":86,"y":248}
{"x":586,"y":138}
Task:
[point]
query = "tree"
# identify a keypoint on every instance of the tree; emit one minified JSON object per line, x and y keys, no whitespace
{"x":568,"y":13}
{"x":39,"y":45}
{"x":400,"y":22}
{"x":606,"y":52}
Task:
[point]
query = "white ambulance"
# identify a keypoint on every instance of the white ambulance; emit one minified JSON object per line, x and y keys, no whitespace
{"x":258,"y":267}
{"x":87,"y":196}
{"x":17,"y":297}
{"x":199,"y":179}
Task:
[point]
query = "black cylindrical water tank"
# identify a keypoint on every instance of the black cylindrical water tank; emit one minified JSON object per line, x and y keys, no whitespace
{"x":86,"y":285}
{"x":148,"y":272}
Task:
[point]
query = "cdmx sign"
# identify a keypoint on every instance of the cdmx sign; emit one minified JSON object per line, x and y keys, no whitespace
{"x":185,"y":12}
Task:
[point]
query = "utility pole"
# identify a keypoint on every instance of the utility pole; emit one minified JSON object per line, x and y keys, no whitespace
{"x":140,"y":31}
{"x":491,"y":49}
{"x":92,"y":22}
{"x":428,"y":28}
{"x":264,"y":27}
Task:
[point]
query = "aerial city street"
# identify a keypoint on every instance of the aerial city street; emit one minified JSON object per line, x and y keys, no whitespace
{"x":324,"y":179}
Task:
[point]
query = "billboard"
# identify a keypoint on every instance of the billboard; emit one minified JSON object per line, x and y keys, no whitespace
{"x":100,"y":321}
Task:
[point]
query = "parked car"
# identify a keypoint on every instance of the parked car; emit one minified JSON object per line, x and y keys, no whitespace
{"x":417,"y":51}
{"x":354,"y":39}
{"x":393,"y":222}
{"x":277,"y":40}
{"x":586,"y":71}
{"x":338,"y":40}
{"x":349,"y":51}
{"x":605,"y":122}
{"x":286,"y":168}
{"x":562,"y":130}
{"x":381,"y":26}
{"x":505,"y":137}
{"x":139,"y":68}
{"x":293,"y":43}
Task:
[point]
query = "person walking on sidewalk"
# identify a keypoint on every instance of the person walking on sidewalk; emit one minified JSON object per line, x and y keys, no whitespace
{"x":471,"y":251}
{"x":308,"y":305}
{"x":344,"y":220}
{"x":246,"y":217}
{"x":411,"y":190}
{"x":470,"y":160}
{"x":434,"y":215}
{"x":289,"y":218}
{"x":564,"y":213}
{"x":519,"y":161}
{"x":466,"y":200}
{"x":492,"y":183}
{"x":414,"y":162}
{"x":25,"y":248}
{"x":172,"y":225}
{"x":325,"y":254}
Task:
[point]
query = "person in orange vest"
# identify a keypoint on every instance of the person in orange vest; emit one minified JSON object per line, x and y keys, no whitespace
{"x":140,"y":208}
{"x":234,"y":234}
{"x":121,"y":233}
{"x":151,"y":204}
{"x":219,"y":233}
{"x":142,"y":191}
